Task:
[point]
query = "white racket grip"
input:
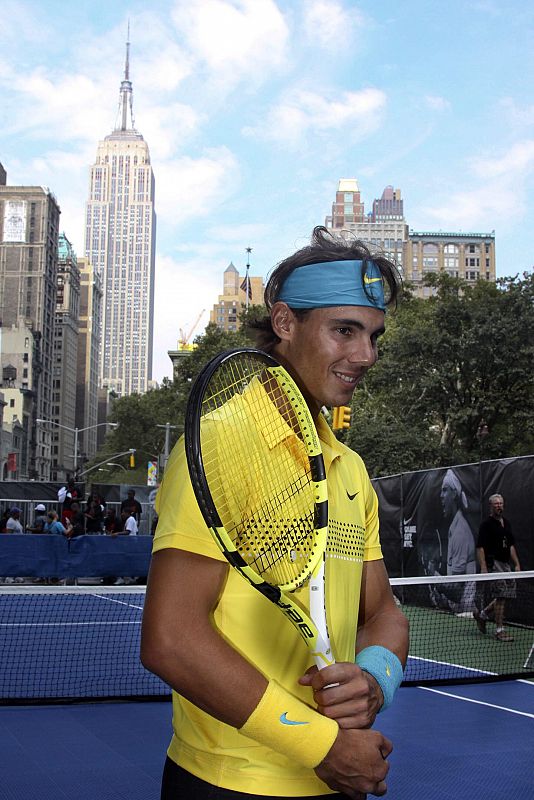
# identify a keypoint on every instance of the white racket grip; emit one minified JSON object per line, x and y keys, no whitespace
{"x":323,"y":651}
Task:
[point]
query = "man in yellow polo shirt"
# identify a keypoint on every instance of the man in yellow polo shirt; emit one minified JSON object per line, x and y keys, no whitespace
{"x":251,"y":716}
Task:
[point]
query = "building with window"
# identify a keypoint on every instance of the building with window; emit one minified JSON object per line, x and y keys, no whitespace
{"x":470,"y":256}
{"x":120,"y":236}
{"x":63,"y":410}
{"x":29,"y":231}
{"x":87,"y":365}
{"x":384,"y":229}
{"x":225,"y":312}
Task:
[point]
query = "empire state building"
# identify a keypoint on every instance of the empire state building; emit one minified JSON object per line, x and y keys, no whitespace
{"x":120,"y":238}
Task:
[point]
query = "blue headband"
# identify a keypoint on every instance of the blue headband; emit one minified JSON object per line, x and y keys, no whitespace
{"x":334,"y":283}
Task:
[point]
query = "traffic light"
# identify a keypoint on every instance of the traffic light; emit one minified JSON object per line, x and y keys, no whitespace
{"x":132,"y":460}
{"x":341,"y":417}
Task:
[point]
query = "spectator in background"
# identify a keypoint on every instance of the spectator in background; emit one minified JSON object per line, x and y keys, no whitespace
{"x":76,"y":520}
{"x":13,"y":524}
{"x":3,"y":520}
{"x":53,"y":525}
{"x":94,"y":518}
{"x":132,"y":505}
{"x":112,"y":523}
{"x":130,"y":529}
{"x":129,"y":522}
{"x":67,"y":495}
{"x":495,"y":551}
{"x":96,"y":498}
{"x":39,"y":521}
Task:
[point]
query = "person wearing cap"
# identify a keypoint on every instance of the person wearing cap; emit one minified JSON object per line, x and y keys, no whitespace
{"x":251,"y":716}
{"x":13,"y":524}
{"x":39,"y":520}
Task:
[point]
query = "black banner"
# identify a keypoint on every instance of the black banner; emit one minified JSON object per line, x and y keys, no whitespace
{"x":429,"y":520}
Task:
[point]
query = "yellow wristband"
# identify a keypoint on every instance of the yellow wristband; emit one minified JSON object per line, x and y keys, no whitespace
{"x":286,"y":724}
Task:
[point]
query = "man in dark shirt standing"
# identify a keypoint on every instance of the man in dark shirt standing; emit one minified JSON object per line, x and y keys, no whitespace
{"x":495,"y":551}
{"x":132,"y":505}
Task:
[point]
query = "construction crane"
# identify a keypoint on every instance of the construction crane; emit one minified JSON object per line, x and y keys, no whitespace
{"x":183,"y":341}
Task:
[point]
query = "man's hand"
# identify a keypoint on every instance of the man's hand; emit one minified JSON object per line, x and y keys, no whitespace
{"x":356,"y":763}
{"x":345,"y":693}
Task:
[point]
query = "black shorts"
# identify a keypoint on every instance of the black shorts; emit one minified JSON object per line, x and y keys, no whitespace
{"x":178,"y":784}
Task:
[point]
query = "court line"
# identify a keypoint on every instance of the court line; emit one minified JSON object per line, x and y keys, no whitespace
{"x":477,"y":702}
{"x":77,"y":624}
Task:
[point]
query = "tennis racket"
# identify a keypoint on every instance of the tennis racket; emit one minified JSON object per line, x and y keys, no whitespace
{"x":258,"y":475}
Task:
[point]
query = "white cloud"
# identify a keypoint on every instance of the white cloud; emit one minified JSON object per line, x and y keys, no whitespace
{"x":520,"y":116}
{"x":168,"y":127}
{"x":237,"y":40}
{"x":516,"y":162}
{"x":183,"y":285}
{"x":437,"y":103}
{"x":500,"y":197}
{"x":329,"y":25}
{"x":302,"y":112}
{"x":477,"y":209}
{"x":57,"y":108}
{"x":191,"y":187}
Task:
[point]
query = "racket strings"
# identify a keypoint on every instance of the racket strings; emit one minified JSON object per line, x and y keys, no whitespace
{"x":258,"y":472}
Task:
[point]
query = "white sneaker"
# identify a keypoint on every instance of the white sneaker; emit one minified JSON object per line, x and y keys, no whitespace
{"x":119,"y":582}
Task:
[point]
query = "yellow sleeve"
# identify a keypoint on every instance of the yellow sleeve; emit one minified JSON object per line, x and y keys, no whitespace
{"x":180,"y":523}
{"x":372,"y":549}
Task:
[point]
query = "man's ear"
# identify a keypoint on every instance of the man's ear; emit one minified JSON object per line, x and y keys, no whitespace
{"x":282,"y":319}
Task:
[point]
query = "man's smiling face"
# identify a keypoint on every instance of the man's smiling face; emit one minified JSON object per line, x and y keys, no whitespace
{"x":329,"y":350}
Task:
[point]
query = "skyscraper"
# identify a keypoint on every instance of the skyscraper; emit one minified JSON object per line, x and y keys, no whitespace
{"x":65,"y":357}
{"x":383,"y":229}
{"x":120,"y":238}
{"x":29,"y":230}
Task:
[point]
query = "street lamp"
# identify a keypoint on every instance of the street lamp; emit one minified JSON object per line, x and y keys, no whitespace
{"x":75,"y":431}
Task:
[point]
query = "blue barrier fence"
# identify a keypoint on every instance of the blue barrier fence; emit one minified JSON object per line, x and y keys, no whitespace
{"x":45,"y":555}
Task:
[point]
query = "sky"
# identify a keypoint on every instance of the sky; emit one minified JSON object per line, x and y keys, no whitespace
{"x":254,"y":109}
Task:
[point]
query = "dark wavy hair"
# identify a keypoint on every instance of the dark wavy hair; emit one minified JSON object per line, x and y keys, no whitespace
{"x":324,"y":246}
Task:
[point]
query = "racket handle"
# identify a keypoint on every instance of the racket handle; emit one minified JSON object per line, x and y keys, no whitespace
{"x":322,"y":650}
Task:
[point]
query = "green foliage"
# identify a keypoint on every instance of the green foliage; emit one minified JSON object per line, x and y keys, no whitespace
{"x":448,"y":366}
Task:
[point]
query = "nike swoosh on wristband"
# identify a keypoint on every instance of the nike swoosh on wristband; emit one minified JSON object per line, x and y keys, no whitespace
{"x":351,"y":496}
{"x":285,"y":721}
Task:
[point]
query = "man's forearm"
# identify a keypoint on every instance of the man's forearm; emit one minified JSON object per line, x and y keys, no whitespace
{"x":388,"y":629}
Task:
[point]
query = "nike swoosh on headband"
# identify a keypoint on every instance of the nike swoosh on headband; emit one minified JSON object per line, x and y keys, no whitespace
{"x":285,"y":721}
{"x":368,"y":280}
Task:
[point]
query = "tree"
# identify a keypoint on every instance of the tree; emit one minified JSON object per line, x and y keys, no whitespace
{"x":449,"y":366}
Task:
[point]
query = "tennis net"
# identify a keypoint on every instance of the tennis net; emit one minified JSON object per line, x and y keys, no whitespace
{"x":81,"y":643}
{"x":72,"y":643}
{"x":447,"y":644}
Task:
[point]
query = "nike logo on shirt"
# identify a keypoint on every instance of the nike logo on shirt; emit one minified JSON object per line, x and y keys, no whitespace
{"x":351,"y":496}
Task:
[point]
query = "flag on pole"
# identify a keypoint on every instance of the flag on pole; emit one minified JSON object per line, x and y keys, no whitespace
{"x":246,"y":287}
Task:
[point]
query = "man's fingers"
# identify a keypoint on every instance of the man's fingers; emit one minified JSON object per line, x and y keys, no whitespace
{"x":386,"y":748}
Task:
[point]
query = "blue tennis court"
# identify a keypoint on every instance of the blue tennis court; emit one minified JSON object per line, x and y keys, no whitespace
{"x":451,"y":743}
{"x":460,"y":742}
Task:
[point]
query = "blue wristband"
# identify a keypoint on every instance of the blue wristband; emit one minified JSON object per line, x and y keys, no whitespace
{"x":385,"y":667}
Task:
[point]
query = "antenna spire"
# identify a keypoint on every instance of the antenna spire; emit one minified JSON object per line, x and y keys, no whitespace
{"x":126,"y":95}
